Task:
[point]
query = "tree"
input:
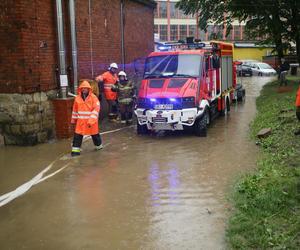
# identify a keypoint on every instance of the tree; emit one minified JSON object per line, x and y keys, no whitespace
{"x":274,"y":21}
{"x":291,"y":14}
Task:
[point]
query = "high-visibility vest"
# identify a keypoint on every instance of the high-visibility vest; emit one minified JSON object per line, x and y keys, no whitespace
{"x":85,"y":112}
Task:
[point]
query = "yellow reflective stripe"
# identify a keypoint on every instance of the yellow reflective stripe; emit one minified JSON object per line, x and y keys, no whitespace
{"x":95,"y":112}
{"x":93,"y":116}
{"x":76,"y":150}
{"x":74,"y":117}
{"x":108,"y":85}
{"x":83,"y":117}
{"x":84,"y":112}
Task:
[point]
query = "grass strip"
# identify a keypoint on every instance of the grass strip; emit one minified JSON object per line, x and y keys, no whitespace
{"x":267,"y":201}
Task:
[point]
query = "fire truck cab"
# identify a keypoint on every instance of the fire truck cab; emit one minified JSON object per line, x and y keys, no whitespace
{"x":186,"y":86}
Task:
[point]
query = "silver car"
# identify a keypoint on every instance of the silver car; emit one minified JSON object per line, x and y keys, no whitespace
{"x":261,"y":69}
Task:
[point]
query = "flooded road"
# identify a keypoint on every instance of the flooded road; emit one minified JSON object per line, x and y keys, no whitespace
{"x":140,"y":192}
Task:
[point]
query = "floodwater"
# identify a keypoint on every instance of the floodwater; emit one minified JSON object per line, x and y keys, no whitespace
{"x":165,"y":191}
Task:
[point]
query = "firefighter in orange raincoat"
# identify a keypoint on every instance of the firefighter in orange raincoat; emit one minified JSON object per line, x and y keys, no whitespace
{"x":85,"y":114}
{"x":108,"y":79}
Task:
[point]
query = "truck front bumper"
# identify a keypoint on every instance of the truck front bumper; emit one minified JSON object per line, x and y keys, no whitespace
{"x":167,"y":119}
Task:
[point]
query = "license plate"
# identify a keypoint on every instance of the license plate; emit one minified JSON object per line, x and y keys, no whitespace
{"x":159,"y":119}
{"x":163,"y":106}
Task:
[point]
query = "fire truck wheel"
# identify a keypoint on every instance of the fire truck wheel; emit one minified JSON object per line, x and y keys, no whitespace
{"x":200,"y":125}
{"x":226,"y":109}
{"x":142,"y":129}
{"x":227,"y":105}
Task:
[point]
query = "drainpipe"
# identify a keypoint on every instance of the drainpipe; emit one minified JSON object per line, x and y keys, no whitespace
{"x":61,"y":49}
{"x":122,"y":34}
{"x":91,"y":37}
{"x":73,"y":43}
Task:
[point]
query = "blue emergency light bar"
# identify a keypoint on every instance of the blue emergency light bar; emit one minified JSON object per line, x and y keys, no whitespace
{"x":180,"y":46}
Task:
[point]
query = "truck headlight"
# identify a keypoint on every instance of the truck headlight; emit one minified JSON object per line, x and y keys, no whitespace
{"x":188,"y":102}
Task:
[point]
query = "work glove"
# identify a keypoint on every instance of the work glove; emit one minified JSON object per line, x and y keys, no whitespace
{"x":114,"y":88}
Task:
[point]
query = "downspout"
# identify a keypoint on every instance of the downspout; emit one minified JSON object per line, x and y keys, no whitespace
{"x":61,"y":49}
{"x":122,"y":34}
{"x":73,"y":44}
{"x":91,"y":38}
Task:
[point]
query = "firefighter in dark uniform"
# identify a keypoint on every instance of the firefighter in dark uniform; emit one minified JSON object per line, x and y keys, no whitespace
{"x":126,"y":95}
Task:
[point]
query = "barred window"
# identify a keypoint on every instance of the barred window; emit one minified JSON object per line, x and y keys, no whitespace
{"x":183,"y":32}
{"x":163,"y":34}
{"x":174,"y":32}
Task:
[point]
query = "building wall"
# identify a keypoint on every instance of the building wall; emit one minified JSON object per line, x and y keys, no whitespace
{"x":251,"y":53}
{"x":29,"y":56}
{"x":172,"y":25}
{"x":98,"y":35}
{"x":27,"y":71}
{"x":28,"y":46}
{"x":138,"y":44}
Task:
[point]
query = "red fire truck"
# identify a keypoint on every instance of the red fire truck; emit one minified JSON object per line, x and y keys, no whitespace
{"x":186,"y":86}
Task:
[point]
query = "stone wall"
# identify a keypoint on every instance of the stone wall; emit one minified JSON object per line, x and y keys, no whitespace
{"x":27,"y":119}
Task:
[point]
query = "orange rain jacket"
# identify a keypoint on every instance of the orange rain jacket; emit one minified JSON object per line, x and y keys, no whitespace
{"x":109,"y":80}
{"x":298,"y":104}
{"x":85,"y":112}
{"x":298,"y":98}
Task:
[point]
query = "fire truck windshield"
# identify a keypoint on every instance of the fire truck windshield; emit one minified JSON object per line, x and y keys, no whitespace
{"x":173,"y":66}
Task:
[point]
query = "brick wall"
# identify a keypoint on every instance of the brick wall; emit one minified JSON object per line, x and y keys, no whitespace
{"x":28,"y":46}
{"x":28,"y":40}
{"x":139,"y":30}
{"x":11,"y":67}
{"x":29,"y":56}
{"x":105,"y":34}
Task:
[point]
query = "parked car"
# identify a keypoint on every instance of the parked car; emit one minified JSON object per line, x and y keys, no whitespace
{"x":261,"y":69}
{"x":243,"y":70}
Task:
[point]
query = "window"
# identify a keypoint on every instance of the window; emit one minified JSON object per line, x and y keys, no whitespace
{"x":163,"y":9}
{"x":210,"y":31}
{"x":173,"y":66}
{"x":237,"y":32}
{"x":202,"y":35}
{"x":242,"y":33}
{"x":155,"y":29}
{"x":180,"y":14}
{"x":177,"y":83}
{"x":219,"y":32}
{"x":156,"y":83}
{"x":163,"y":32}
{"x":229,"y":36}
{"x":174,"y":32}
{"x":183,"y":32}
{"x":192,"y":30}
{"x":173,"y":11}
{"x":215,"y":32}
{"x":264,"y":66}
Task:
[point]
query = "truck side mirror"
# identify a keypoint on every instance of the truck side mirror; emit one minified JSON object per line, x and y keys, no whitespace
{"x":215,"y":62}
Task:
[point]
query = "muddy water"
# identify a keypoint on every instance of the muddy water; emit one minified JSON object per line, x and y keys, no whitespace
{"x":166,"y":191}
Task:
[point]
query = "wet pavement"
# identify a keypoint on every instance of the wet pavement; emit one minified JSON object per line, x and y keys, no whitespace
{"x":165,"y":191}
